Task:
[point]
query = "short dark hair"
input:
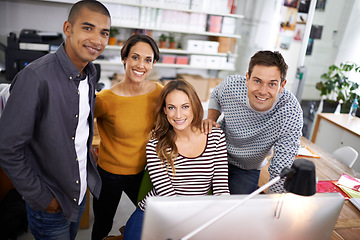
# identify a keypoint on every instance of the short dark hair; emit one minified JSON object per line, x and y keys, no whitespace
{"x":92,"y":5}
{"x":269,"y":58}
{"x":139,"y":38}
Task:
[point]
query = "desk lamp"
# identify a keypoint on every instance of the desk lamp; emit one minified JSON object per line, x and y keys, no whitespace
{"x":300,"y":180}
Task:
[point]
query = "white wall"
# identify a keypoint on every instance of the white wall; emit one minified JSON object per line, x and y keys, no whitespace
{"x":349,"y":50}
{"x":350,"y":46}
{"x":334,"y":19}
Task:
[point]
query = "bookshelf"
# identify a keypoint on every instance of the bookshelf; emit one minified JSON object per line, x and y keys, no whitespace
{"x":184,"y":18}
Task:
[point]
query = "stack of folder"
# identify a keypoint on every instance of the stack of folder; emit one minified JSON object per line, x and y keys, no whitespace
{"x":351,"y":186}
{"x":348,"y":186}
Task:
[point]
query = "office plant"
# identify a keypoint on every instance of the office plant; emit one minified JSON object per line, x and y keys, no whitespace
{"x":172,"y":42}
{"x":336,"y":86}
{"x":162,"y":41}
{"x":112,"y":36}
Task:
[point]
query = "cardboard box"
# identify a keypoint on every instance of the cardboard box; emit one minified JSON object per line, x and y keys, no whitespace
{"x":225,"y":44}
{"x":213,"y":82}
{"x":203,"y":86}
{"x":165,"y":81}
{"x":200,"y":84}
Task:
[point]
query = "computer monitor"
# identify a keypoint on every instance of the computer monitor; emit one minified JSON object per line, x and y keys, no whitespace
{"x":264,"y":217}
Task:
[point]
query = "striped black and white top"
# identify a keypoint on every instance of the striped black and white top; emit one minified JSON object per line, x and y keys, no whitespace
{"x":193,"y":176}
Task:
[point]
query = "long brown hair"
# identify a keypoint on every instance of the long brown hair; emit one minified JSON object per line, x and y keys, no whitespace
{"x":163,"y":131}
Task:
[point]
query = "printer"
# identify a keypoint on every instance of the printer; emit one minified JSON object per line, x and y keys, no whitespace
{"x":30,"y":45}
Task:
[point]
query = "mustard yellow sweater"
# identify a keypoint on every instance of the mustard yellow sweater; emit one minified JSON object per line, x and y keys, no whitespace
{"x":124,"y":124}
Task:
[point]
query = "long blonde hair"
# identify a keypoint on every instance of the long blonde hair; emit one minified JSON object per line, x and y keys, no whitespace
{"x":163,"y":131}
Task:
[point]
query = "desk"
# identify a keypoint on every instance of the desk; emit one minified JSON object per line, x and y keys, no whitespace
{"x":328,"y":168}
{"x":332,"y":131}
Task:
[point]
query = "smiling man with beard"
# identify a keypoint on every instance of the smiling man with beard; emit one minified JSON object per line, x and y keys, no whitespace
{"x":46,"y":127}
{"x":260,"y":117}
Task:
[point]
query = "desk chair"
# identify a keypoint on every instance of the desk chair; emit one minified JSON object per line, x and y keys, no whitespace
{"x":346,"y":155}
{"x":145,"y":187}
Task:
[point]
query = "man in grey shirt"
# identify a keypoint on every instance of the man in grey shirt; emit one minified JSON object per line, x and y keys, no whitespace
{"x":46,"y":127}
{"x":260,"y":117}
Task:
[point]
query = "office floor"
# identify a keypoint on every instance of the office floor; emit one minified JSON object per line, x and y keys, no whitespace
{"x":125,"y":209}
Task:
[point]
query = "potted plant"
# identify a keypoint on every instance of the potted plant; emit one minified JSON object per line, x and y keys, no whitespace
{"x":336,"y":87}
{"x":162,"y":41}
{"x":112,"y":36}
{"x":172,"y":42}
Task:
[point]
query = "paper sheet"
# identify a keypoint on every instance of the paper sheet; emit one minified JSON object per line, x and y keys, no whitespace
{"x":306,"y":152}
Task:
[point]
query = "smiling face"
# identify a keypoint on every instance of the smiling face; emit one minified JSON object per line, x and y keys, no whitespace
{"x":86,"y":37}
{"x":178,"y":110}
{"x":264,"y":84}
{"x":139,"y":62}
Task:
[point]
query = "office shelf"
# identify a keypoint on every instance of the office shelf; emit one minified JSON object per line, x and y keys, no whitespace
{"x":150,"y":24}
{"x":178,"y":31}
{"x":179,"y":52}
{"x":131,"y":3}
{"x":163,"y":65}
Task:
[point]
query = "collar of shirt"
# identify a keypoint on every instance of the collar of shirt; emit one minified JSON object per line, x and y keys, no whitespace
{"x":69,"y":68}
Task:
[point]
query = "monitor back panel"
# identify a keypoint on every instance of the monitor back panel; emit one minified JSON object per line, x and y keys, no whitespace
{"x":264,"y":217}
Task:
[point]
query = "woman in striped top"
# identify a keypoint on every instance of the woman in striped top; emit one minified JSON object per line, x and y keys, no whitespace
{"x":181,"y":160}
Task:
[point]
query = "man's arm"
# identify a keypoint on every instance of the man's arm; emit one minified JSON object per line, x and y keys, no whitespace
{"x":214,"y":112}
{"x":208,"y":123}
{"x":285,"y":149}
{"x":16,"y":127}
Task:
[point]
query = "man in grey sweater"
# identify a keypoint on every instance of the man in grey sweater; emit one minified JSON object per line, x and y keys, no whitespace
{"x":260,"y":118}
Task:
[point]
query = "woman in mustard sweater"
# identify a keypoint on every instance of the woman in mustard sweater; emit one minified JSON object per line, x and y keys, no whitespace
{"x":124,"y":115}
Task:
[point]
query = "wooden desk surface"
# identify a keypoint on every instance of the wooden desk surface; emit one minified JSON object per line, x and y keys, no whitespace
{"x":328,"y":168}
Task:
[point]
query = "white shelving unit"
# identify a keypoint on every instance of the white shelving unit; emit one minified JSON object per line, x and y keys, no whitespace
{"x":178,"y":31}
{"x":164,"y":65}
{"x":179,"y":51}
{"x":170,"y":51}
{"x":131,"y":3}
{"x":141,"y":6}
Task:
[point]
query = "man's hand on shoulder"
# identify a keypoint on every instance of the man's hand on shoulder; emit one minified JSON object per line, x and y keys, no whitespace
{"x":207,"y":124}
